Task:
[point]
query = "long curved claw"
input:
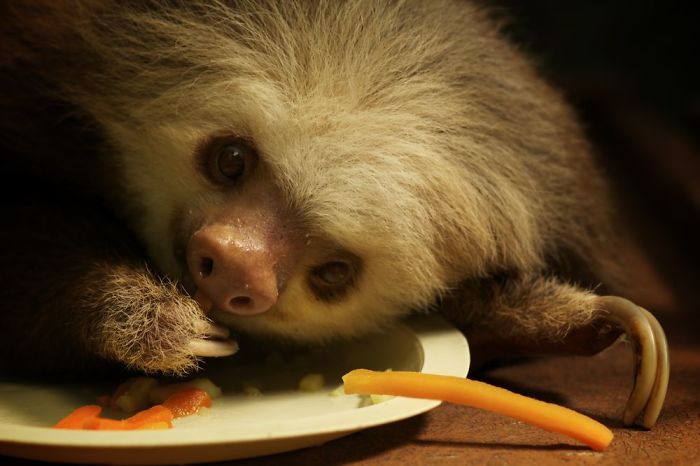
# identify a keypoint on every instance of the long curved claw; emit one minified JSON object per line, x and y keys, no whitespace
{"x":212,"y":348}
{"x":214,"y":343}
{"x":658,"y":391}
{"x":651,"y":363}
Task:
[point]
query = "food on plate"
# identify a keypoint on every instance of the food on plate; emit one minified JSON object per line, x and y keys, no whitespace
{"x":160,"y":393}
{"x":311,"y":382}
{"x":251,"y":388}
{"x":187,"y":401}
{"x":133,"y":395}
{"x":459,"y":390}
{"x":154,"y":418}
{"x":178,"y":400}
{"x":88,"y":418}
{"x":77,"y":419}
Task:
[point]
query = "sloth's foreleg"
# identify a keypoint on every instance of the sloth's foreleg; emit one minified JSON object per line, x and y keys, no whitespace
{"x":77,"y":292}
{"x":542,"y":315}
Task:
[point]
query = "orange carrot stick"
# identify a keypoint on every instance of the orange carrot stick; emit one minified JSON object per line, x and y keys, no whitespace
{"x":458,"y":390}
{"x":187,"y":401}
{"x":79,"y":416}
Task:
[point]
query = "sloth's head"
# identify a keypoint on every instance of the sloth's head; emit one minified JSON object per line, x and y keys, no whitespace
{"x":316,"y":169}
{"x":304,"y":219}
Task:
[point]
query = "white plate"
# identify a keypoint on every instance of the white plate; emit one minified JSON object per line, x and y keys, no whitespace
{"x":240,"y":426}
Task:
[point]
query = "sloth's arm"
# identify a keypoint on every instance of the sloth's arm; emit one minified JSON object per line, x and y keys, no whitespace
{"x":542,"y":315}
{"x":76,"y":294}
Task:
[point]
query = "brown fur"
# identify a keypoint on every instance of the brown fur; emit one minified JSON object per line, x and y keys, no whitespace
{"x":407,"y":133}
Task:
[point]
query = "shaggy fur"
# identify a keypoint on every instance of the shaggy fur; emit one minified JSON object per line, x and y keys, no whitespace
{"x":409,"y":133}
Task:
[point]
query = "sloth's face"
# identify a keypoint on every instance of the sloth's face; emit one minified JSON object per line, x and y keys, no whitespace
{"x":303,"y":238}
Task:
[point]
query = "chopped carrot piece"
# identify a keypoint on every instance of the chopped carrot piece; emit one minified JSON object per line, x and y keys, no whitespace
{"x":79,"y":416}
{"x":183,"y":402}
{"x":157,"y":413}
{"x":187,"y":401}
{"x":157,"y":416}
{"x":101,"y":423}
{"x":155,"y":426}
{"x":458,"y":390}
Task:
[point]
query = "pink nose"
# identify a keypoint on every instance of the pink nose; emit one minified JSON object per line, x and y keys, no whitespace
{"x":238,"y":276}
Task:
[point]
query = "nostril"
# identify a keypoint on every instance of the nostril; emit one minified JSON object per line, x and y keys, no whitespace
{"x":241,"y":301}
{"x":206,"y":267}
{"x":236,"y":279}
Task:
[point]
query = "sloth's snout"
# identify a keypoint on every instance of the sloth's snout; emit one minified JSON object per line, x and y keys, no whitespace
{"x":236,"y":272}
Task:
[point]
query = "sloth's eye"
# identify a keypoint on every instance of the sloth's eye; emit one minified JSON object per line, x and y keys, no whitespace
{"x":228,"y":160}
{"x":332,"y":273}
{"x":331,"y":279}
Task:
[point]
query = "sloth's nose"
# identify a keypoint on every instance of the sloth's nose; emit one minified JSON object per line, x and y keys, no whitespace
{"x":236,"y":272}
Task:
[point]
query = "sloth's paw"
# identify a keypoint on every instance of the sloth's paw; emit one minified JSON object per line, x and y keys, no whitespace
{"x":157,"y":329}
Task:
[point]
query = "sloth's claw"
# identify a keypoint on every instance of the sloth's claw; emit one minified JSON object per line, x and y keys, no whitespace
{"x":213,"y":330}
{"x":651,"y":359}
{"x":212,"y":348}
{"x":658,"y":391}
{"x":214,"y":341}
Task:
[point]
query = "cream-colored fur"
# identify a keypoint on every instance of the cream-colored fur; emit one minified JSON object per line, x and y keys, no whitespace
{"x":408,"y":132}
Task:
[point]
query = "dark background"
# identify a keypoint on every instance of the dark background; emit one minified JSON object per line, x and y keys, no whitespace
{"x":632,"y":69}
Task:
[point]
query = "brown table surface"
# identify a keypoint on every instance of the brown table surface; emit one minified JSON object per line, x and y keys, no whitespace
{"x":596,"y":386}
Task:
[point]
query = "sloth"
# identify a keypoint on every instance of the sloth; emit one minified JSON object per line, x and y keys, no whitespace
{"x":307,"y":170}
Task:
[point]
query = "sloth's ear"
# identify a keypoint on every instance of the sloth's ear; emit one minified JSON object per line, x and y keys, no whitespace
{"x":530,"y":316}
